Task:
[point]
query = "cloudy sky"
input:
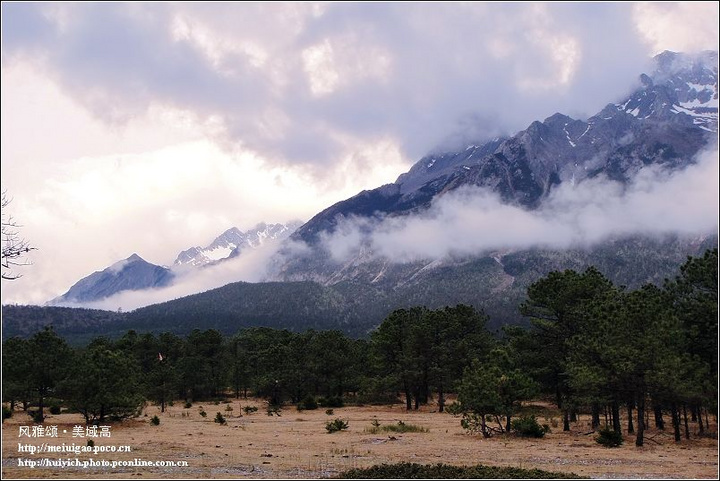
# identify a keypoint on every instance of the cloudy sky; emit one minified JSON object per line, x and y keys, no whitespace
{"x":151,"y":128}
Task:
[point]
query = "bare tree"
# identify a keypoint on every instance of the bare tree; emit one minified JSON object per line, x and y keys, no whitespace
{"x":14,"y":247}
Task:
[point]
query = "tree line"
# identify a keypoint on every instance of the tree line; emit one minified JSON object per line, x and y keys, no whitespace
{"x":591,"y":346}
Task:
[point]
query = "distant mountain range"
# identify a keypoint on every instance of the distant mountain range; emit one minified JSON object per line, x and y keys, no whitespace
{"x":134,"y":273}
{"x":670,"y":118}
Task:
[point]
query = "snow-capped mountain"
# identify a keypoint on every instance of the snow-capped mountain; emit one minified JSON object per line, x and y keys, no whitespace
{"x":691,"y":87}
{"x":231,"y":242}
{"x":666,"y":121}
{"x":133,"y":273}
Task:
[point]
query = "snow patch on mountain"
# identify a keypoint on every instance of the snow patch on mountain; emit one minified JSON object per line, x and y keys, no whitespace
{"x":231,"y":242}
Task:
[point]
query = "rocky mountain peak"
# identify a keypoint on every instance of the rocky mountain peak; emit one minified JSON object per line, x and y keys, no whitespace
{"x":135,"y":258}
{"x":700,"y":64}
{"x":682,"y":89}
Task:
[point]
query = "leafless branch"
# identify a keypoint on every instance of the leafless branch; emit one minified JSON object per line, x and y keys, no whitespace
{"x":14,"y":247}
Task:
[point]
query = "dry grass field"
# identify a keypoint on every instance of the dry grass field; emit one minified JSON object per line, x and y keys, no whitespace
{"x":297,"y":445}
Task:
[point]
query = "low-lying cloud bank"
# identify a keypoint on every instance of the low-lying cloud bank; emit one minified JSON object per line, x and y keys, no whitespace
{"x":473,"y":220}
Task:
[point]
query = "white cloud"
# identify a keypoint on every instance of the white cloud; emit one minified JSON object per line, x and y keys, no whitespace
{"x":319,"y":66}
{"x":678,"y":26}
{"x":472,"y":221}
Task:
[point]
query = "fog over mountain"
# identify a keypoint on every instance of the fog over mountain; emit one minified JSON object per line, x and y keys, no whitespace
{"x":474,"y":220}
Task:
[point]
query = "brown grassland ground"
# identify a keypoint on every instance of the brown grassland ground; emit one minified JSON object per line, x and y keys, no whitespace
{"x":296,"y":445}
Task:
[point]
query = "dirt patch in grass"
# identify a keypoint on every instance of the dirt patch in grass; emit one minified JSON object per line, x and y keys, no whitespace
{"x":297,"y":445}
